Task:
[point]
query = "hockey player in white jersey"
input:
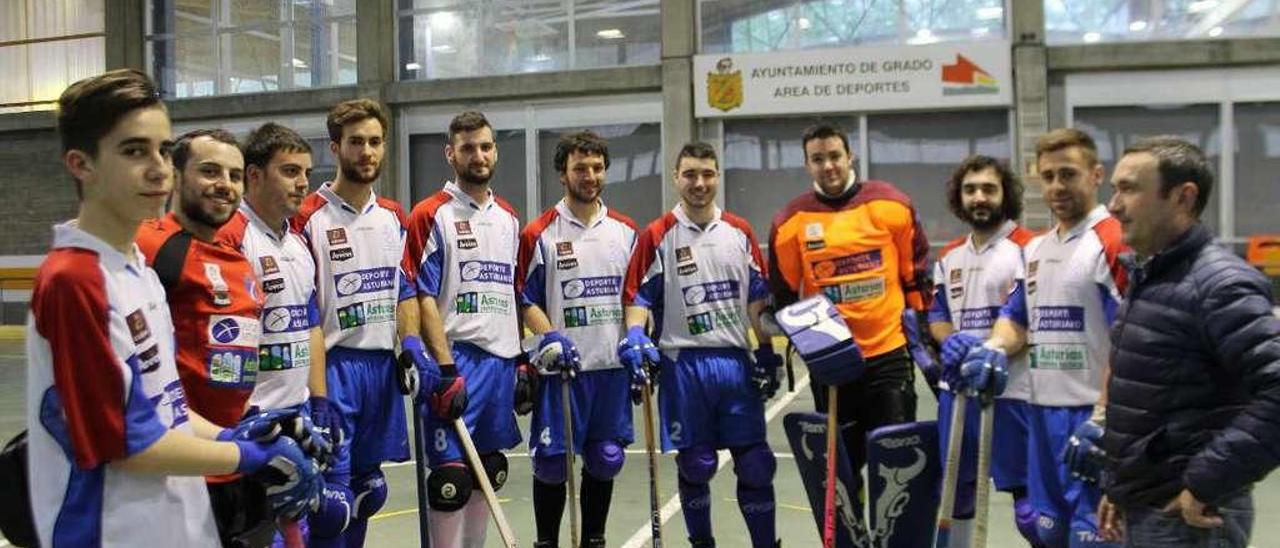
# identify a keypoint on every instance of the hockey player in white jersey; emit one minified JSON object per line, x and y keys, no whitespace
{"x":572,"y":259}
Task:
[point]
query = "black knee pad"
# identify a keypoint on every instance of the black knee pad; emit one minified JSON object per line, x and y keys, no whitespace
{"x":495,"y":466}
{"x":449,"y":487}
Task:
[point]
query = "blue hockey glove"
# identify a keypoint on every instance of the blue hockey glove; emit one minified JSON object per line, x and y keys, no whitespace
{"x":764,"y":372}
{"x":449,"y":400}
{"x":639,"y":355}
{"x":327,"y":424}
{"x":920,"y":345}
{"x":1084,"y":455}
{"x":556,"y":354}
{"x":984,"y":372}
{"x":417,"y":374}
{"x":293,"y":483}
{"x":267,"y":426}
{"x":954,"y":349}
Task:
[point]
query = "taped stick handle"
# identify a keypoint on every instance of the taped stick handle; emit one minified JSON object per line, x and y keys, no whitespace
{"x":420,"y":464}
{"x":981,"y":499}
{"x":482,"y":477}
{"x":829,"y":499}
{"x":655,"y":507}
{"x":951,"y":472}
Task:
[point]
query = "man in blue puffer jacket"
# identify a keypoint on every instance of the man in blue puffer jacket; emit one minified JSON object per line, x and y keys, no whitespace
{"x":1193,"y":411}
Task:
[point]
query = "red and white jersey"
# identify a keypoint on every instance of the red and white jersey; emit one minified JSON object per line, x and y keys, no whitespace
{"x":287,"y":274}
{"x":700,"y":278}
{"x":357,"y":254}
{"x":102,"y":385}
{"x":463,"y":253}
{"x":573,"y":271}
{"x":1072,"y":288}
{"x":971,"y":284}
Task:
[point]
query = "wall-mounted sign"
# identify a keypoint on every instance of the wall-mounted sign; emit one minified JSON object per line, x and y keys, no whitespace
{"x":945,"y":75}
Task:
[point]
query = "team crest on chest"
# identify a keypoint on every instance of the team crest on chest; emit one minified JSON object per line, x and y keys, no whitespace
{"x":217,"y":284}
{"x":462,"y":227}
{"x":1031,"y":276}
{"x":684,"y":261}
{"x":813,"y":237}
{"x":138,"y":328}
{"x":564,"y":249}
{"x":268,"y":264}
{"x":336,"y":236}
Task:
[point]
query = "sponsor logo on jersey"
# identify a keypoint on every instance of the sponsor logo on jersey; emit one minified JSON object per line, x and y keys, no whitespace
{"x":956,"y":275}
{"x":225,"y":331}
{"x":341,"y":254}
{"x":171,"y":404}
{"x":1032,"y":267}
{"x":711,"y":320}
{"x":233,"y":366}
{"x":336,"y":236}
{"x":149,"y":359}
{"x":283,"y":319}
{"x":1059,"y":318}
{"x":978,"y":318}
{"x":483,"y":302}
{"x":567,"y":264}
{"x":367,"y":312}
{"x":462,"y":227}
{"x":218,"y":284}
{"x":684,"y":254}
{"x":687,"y":269}
{"x":1059,"y":356}
{"x":369,"y":280}
{"x":849,"y":264}
{"x":274,"y":285}
{"x":564,"y":249}
{"x":138,"y":328}
{"x":468,"y":243}
{"x":584,"y":316}
{"x":710,"y":292}
{"x":279,"y":357}
{"x":956,"y":291}
{"x":850,"y":292}
{"x":486,"y":272}
{"x":583,"y":288}
{"x":814,"y":245}
{"x":234,"y":330}
{"x":268,"y":264}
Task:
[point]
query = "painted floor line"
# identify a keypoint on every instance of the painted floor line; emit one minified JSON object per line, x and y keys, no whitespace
{"x":645,"y":533}
{"x":526,"y":455}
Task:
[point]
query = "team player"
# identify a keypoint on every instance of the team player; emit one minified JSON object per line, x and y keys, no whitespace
{"x":107,"y":414}
{"x":572,"y":262}
{"x":698,"y":272}
{"x":1061,"y":313}
{"x":972,"y":279}
{"x":366,"y":303}
{"x":216,"y":306}
{"x":291,"y":367}
{"x":462,"y":244}
{"x":860,"y":244}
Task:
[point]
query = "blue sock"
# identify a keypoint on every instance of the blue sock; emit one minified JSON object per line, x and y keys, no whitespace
{"x":695,"y":501}
{"x":758,"y":509}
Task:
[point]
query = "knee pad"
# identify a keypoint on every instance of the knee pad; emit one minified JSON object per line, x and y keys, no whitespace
{"x":1052,"y":531}
{"x":370,"y":494}
{"x":449,"y":487}
{"x":1024,"y":517}
{"x":550,"y":470}
{"x":965,"y":503}
{"x":697,"y":464}
{"x":495,"y":466}
{"x":755,"y":465}
{"x":603,"y":459}
{"x":331,"y":519}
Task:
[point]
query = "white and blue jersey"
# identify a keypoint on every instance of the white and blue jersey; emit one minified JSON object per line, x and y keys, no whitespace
{"x":287,"y":274}
{"x":102,"y":386}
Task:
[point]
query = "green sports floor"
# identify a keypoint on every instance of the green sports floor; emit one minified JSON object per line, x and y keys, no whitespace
{"x":396,"y":525}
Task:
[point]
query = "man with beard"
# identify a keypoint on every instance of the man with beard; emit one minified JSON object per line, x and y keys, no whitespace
{"x":215,"y":302}
{"x":462,"y":247}
{"x":572,"y":260}
{"x":860,"y":244}
{"x":972,"y":279}
{"x":698,"y":274}
{"x":1061,"y":314}
{"x":366,"y":304}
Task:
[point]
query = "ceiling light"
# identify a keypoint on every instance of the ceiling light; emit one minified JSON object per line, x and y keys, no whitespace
{"x":1091,"y":37}
{"x":923,"y":36}
{"x":412,"y":66}
{"x":988,"y":14}
{"x":299,"y":63}
{"x":1137,"y":26}
{"x":610,"y":34}
{"x":1202,"y":5}
{"x":803,"y":23}
{"x":540,"y":58}
{"x":1215,"y":32}
{"x":443,"y":20}
{"x":444,"y":48}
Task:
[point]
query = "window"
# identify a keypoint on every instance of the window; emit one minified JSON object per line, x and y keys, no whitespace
{"x":451,"y":39}
{"x":45,"y":46}
{"x":732,"y":26}
{"x":1088,"y":21}
{"x":635,"y":178}
{"x":428,"y":170}
{"x":1114,"y":128}
{"x":216,"y":47}
{"x":1257,"y":168}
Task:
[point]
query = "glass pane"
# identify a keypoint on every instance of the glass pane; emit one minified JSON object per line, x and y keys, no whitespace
{"x":1088,"y":21}
{"x":324,"y":167}
{"x":15,"y":87}
{"x":610,"y":34}
{"x":428,"y":170}
{"x":918,"y":151}
{"x":1257,"y":174}
{"x":764,"y":166}
{"x":250,"y":12}
{"x":346,"y":65}
{"x":254,"y":61}
{"x":774,"y":25}
{"x":53,"y":18}
{"x":1114,"y":128}
{"x":635,"y":177}
{"x":13,"y":21}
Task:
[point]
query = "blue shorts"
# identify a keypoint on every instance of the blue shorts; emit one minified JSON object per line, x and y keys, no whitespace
{"x":1009,"y":440}
{"x":490,"y":416}
{"x":1066,"y":506}
{"x":706,"y":398}
{"x":362,"y":388}
{"x":601,"y":402}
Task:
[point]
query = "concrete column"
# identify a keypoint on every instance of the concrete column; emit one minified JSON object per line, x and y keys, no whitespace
{"x":679,"y":43}
{"x":375,"y":68}
{"x":1031,"y":100}
{"x":124,"y":21}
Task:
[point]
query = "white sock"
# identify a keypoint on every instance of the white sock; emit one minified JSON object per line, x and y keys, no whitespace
{"x":476,"y":522}
{"x":446,"y":527}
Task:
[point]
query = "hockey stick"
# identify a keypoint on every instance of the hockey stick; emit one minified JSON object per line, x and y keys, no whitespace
{"x":568,"y":455}
{"x":291,"y":533}
{"x":655,"y":507}
{"x":482,"y":477}
{"x":829,"y":501}
{"x":420,"y":463}
{"x":951,"y":471}
{"x":985,"y":433}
